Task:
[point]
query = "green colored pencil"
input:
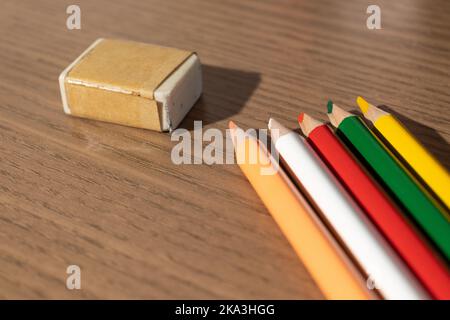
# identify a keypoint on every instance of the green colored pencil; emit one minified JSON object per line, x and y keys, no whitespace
{"x":391,"y":173}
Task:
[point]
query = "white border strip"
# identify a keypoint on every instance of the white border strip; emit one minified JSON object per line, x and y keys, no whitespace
{"x":63,"y":75}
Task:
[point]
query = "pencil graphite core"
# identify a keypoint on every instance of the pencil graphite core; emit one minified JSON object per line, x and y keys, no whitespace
{"x":363,"y":105}
{"x":330,"y":106}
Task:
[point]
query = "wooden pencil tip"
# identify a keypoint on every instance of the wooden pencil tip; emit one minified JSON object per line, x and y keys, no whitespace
{"x":337,"y":115}
{"x":272,"y":122}
{"x":275,"y":125}
{"x":308,"y":123}
{"x":330,"y":106}
{"x":363,"y":104}
{"x":370,"y":112}
{"x":234,"y":130}
{"x":232,"y":125}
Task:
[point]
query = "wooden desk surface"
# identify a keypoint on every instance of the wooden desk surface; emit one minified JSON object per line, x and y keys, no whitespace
{"x":109,"y":199}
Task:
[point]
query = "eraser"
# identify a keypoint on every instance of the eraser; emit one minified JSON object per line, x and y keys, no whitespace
{"x":131,"y":83}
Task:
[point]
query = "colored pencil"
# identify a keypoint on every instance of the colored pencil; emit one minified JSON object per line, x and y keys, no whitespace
{"x":321,"y":255}
{"x":392,"y":174}
{"x":401,"y":235}
{"x":359,"y":236}
{"x":410,"y":150}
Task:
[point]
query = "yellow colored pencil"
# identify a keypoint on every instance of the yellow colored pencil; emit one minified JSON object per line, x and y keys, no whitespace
{"x":409,"y":148}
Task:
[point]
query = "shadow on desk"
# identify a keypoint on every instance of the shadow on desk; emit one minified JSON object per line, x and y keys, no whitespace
{"x":429,"y":137}
{"x":225,"y":92}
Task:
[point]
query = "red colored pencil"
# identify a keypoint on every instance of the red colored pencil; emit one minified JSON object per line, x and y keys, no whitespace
{"x":415,"y":252}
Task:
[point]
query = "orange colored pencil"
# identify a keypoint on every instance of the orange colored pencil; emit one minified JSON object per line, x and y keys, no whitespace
{"x":329,"y":267}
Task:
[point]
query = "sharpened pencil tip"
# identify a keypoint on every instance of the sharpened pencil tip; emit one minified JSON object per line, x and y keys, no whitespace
{"x":330,"y":106}
{"x":274,"y":125}
{"x":363,"y":104}
{"x":270,"y":123}
{"x":232,"y":125}
{"x":300,"y":117}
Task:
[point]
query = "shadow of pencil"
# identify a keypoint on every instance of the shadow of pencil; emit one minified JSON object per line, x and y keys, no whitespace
{"x":429,"y":137}
{"x":225,"y":92}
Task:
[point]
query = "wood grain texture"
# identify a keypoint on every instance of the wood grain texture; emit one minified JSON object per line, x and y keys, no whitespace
{"x":109,"y":199}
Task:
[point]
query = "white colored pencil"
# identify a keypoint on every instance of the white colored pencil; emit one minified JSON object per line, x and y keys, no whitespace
{"x":369,"y":249}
